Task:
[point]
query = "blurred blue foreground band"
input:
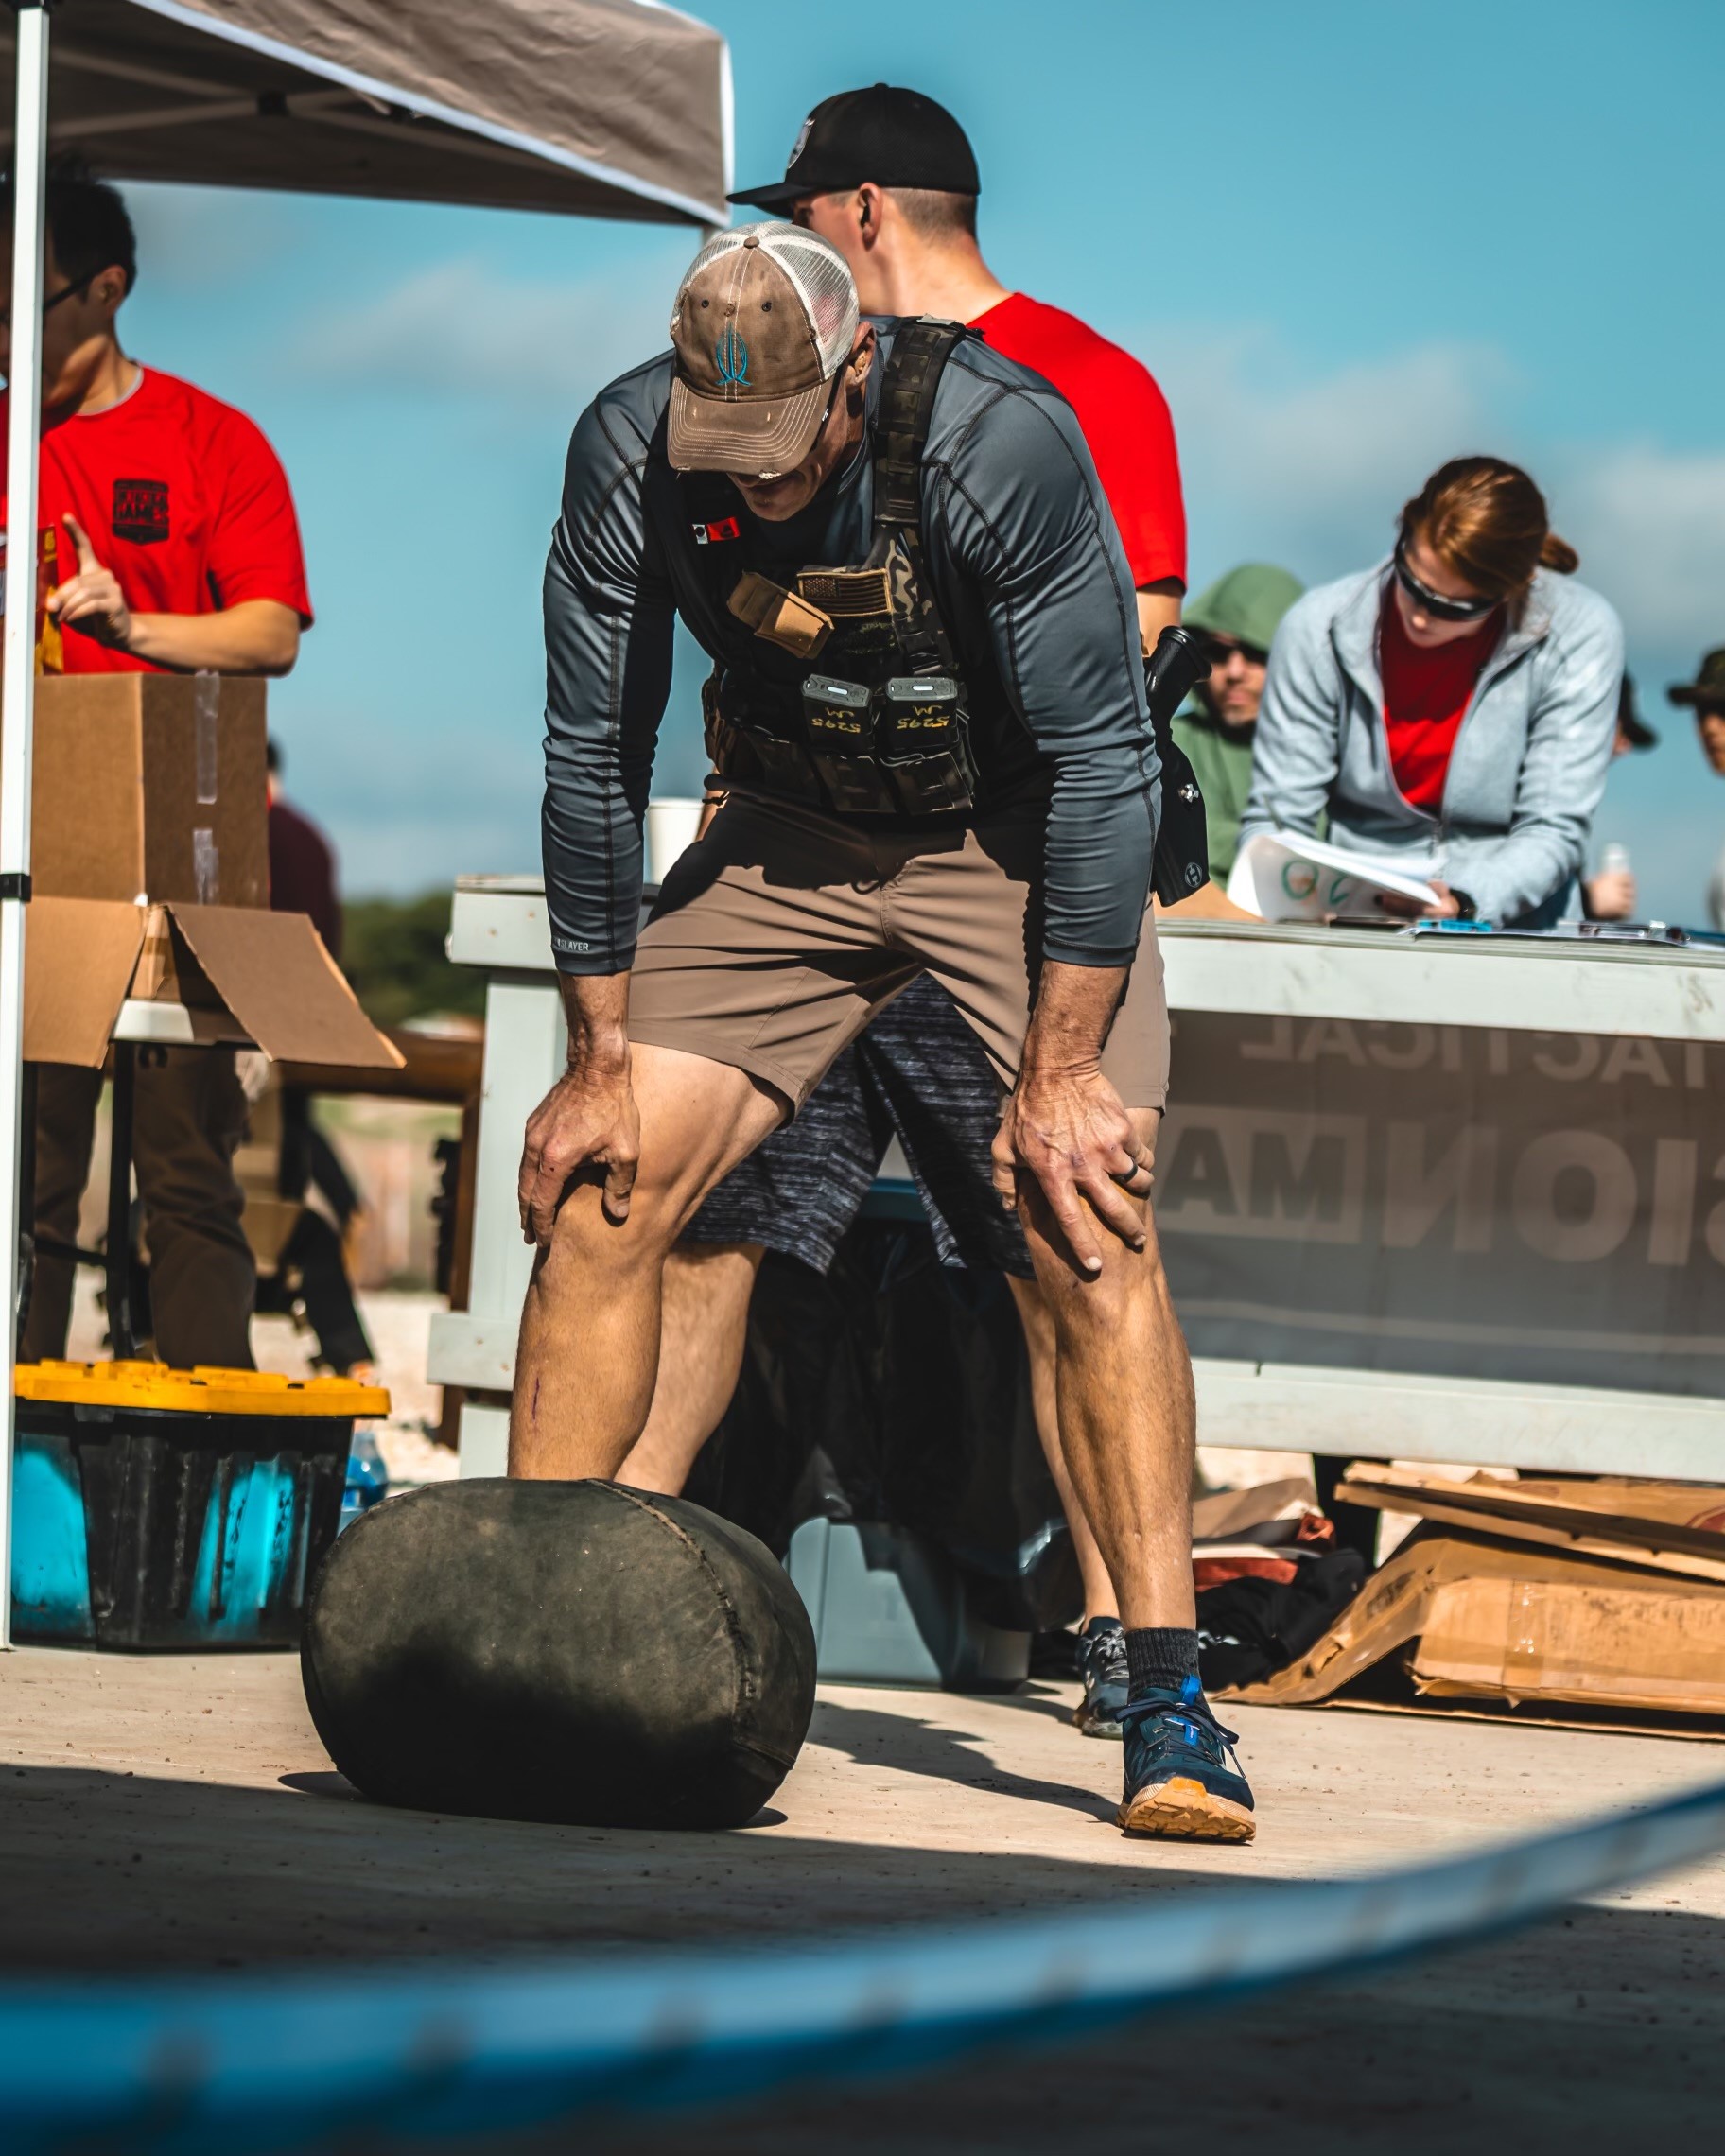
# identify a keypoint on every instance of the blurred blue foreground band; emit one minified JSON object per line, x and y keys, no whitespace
{"x":293,"y":2061}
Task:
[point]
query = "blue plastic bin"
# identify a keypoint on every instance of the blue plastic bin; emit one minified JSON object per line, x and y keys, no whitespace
{"x":158,"y":1508}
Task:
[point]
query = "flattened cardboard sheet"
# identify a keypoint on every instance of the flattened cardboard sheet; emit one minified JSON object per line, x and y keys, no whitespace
{"x":1537,"y":1715}
{"x":80,"y":957}
{"x":273,"y":973}
{"x":1244,"y":1515}
{"x":1669,"y":1526}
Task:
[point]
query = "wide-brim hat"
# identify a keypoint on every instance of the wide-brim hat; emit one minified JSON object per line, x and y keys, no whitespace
{"x":1708,"y":686}
{"x":764,"y":319}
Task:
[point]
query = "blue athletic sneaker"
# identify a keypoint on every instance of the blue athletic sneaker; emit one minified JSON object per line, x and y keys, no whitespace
{"x":1101,"y":1664}
{"x":1182,"y":1777}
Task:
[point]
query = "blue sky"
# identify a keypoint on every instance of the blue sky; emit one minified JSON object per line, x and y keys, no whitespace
{"x":1350,"y":240}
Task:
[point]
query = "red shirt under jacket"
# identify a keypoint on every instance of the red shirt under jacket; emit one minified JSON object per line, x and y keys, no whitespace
{"x":1426,"y":692}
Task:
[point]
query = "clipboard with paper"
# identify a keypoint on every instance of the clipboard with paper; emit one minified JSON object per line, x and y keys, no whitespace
{"x":1285,"y":876}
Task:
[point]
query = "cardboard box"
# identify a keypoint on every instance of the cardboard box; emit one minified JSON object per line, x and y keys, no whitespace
{"x":224,"y":973}
{"x":1632,"y":1642}
{"x":150,"y":787}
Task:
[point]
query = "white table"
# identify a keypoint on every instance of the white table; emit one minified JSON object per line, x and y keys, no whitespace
{"x":1278,"y":973}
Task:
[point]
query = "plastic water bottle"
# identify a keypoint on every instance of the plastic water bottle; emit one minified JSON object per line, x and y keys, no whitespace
{"x":1615,"y":860}
{"x":368,"y":1477}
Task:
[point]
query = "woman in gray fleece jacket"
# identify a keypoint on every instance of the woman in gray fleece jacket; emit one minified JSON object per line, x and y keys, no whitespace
{"x":1452,"y":710}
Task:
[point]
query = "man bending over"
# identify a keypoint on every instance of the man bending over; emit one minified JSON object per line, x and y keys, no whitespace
{"x":928,"y":706}
{"x":890,"y":178}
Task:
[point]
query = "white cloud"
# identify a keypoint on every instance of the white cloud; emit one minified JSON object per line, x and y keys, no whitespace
{"x":192,"y":238}
{"x":1287,"y":464}
{"x":1649,"y":526}
{"x":459,"y":328}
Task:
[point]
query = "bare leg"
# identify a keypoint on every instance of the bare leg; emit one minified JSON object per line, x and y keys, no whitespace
{"x":1126,"y":1417}
{"x":1038,"y":1323}
{"x":703,"y":1326}
{"x":589,"y":1345}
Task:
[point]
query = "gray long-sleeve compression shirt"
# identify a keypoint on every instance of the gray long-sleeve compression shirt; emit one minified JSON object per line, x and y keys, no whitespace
{"x":1032,"y":583}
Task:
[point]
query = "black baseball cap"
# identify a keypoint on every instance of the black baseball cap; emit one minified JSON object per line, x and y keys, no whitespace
{"x":896,"y":138}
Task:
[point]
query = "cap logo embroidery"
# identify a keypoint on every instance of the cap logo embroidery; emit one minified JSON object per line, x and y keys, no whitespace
{"x":732,"y":355}
{"x":801,"y":143}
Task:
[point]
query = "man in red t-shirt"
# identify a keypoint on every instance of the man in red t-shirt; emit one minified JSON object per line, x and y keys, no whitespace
{"x":166,"y":542}
{"x":913,"y":251}
{"x":888,"y":177}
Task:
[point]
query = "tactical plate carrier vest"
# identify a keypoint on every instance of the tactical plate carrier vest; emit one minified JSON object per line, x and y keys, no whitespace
{"x":843,"y":688}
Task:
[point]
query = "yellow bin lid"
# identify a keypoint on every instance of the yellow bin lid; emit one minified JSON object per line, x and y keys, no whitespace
{"x":197,"y":1392}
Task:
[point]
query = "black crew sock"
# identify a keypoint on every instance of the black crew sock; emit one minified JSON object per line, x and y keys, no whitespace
{"x":1161,"y":1657}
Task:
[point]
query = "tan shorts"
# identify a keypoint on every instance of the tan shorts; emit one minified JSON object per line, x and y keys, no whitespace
{"x":779,"y":935}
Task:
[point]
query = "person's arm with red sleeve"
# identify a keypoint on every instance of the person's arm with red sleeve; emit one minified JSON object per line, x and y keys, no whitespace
{"x":256,"y":570}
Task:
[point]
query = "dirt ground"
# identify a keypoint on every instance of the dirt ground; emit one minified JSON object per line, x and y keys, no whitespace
{"x":171,"y":1812}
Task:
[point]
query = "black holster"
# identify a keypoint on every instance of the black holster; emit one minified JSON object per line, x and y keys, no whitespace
{"x":1171,"y":671}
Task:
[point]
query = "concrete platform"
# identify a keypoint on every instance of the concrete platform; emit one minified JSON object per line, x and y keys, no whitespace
{"x":169,"y":1812}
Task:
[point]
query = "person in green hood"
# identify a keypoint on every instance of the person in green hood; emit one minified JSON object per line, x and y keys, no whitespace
{"x":1239,"y":614}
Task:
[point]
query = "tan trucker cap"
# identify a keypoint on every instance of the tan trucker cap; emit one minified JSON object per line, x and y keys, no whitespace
{"x":764,"y":319}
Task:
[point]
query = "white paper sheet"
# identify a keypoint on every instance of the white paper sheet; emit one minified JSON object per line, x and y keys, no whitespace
{"x":1283,"y":876}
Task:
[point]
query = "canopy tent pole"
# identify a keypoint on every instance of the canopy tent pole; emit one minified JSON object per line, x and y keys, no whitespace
{"x":18,"y":687}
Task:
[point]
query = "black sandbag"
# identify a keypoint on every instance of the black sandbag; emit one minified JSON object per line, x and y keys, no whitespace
{"x":562,"y":1651}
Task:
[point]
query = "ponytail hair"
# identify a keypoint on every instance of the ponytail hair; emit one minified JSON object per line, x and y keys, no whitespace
{"x":1487,"y":522}
{"x":1560,"y":555}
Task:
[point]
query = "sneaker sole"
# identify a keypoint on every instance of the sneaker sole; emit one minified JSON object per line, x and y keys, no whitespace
{"x":1184,"y":1810}
{"x":1087,"y":1728}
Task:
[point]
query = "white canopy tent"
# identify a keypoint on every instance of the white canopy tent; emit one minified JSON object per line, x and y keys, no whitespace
{"x":597,"y":108}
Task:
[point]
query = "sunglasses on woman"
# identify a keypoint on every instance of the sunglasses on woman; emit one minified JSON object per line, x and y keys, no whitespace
{"x":1434,"y":603}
